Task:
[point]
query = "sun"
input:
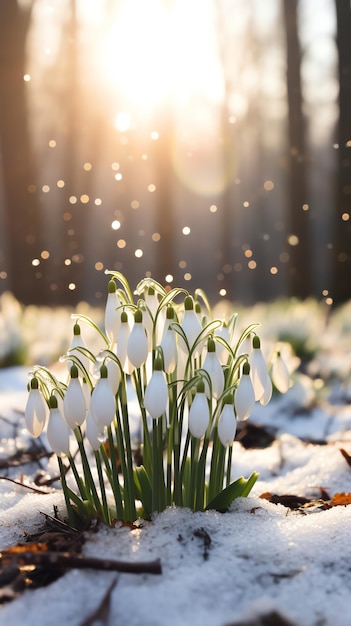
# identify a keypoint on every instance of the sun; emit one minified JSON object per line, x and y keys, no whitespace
{"x":159,"y":52}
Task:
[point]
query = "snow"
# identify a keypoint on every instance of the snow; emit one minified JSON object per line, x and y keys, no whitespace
{"x":261,"y":557}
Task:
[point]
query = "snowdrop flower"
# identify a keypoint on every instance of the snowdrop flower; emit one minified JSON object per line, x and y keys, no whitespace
{"x":280,"y":374}
{"x":122,"y":343}
{"x":74,"y":405}
{"x":223,"y":333}
{"x":57,"y":432}
{"x":103,"y":402}
{"x":36,"y":410}
{"x":112,"y":315}
{"x":137,"y":347}
{"x":227,"y":423}
{"x":259,"y":374}
{"x":199,"y":412}
{"x":93,"y":433}
{"x":267,"y":392}
{"x":113,"y":374}
{"x":191,"y":326}
{"x":156,"y":392}
{"x":78,"y":342}
{"x":169,"y":343}
{"x":214,"y":369}
{"x":244,"y":398}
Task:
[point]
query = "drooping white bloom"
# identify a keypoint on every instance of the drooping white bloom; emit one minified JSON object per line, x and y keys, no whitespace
{"x":169,"y":343}
{"x":227,"y":424}
{"x":122,"y":343}
{"x":103,"y":402}
{"x":114,"y":374}
{"x":214,"y":369}
{"x":74,"y":404}
{"x":93,"y":433}
{"x":137,"y":348}
{"x":267,"y":392}
{"x":223,"y":333}
{"x":258,"y":371}
{"x":191,"y":327}
{"x":280,"y":374}
{"x":36,"y":410}
{"x":78,"y":342}
{"x":244,"y":398}
{"x":199,"y":412}
{"x":58,"y":432}
{"x":112,"y":314}
{"x":156,"y":392}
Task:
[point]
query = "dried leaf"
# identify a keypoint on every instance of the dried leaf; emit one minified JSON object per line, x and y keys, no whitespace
{"x":340,"y":499}
{"x":346,"y":456}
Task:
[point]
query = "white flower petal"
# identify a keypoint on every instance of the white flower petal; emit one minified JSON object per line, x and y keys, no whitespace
{"x":156,"y":394}
{"x":103,"y":404}
{"x":35,"y":413}
{"x":74,"y":405}
{"x":58,"y":433}
{"x":137,"y":348}
{"x":227,"y":425}
{"x":214,"y":369}
{"x":199,"y":415}
{"x":280,"y":374}
{"x":244,"y":398}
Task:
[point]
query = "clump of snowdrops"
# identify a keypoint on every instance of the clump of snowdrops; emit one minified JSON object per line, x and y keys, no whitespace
{"x":191,"y":377}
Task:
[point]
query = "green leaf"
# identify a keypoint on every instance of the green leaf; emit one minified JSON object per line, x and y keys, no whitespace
{"x":239,"y":488}
{"x":143,"y":488}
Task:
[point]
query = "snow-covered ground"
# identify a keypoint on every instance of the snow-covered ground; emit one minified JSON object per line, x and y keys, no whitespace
{"x":217,"y":569}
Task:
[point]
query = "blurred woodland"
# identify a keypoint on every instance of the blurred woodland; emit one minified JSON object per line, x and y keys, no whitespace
{"x":207,"y":144}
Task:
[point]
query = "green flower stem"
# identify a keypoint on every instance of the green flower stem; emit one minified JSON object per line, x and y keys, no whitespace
{"x":128,"y":448}
{"x":155,"y":490}
{"x":125,"y":452}
{"x":194,"y":466}
{"x":147,"y":456}
{"x":80,"y":483}
{"x":200,"y":499}
{"x":92,"y":493}
{"x":107,"y":516}
{"x":116,"y":488}
{"x":229,"y":465}
{"x":70,"y":510}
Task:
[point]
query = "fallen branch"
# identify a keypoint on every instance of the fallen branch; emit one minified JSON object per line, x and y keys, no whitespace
{"x":19,"y":484}
{"x":66,"y":561}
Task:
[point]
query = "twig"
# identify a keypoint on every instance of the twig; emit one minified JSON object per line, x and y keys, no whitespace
{"x":101,"y":613}
{"x":65,"y":560}
{"x":19,"y":484}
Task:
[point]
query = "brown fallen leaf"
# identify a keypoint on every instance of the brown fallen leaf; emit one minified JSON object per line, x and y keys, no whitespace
{"x":346,"y":456}
{"x":340,"y":499}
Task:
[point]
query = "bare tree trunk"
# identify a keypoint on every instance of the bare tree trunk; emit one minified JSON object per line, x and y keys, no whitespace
{"x":22,"y":211}
{"x":299,"y":270}
{"x":341,"y":289}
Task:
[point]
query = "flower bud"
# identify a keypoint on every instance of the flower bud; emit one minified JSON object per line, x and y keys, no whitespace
{"x":244,"y":398}
{"x":191,"y":326}
{"x":122,"y":343}
{"x":156,"y":392}
{"x":112,"y":315}
{"x":36,"y":410}
{"x":103,"y":402}
{"x":74,"y":405}
{"x":227,"y":423}
{"x":259,"y":374}
{"x":169,"y":344}
{"x":57,"y":432}
{"x":93,"y":433}
{"x":280,"y":374}
{"x":137,"y":348}
{"x":214,"y":369}
{"x":222,"y":352}
{"x":199,"y":412}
